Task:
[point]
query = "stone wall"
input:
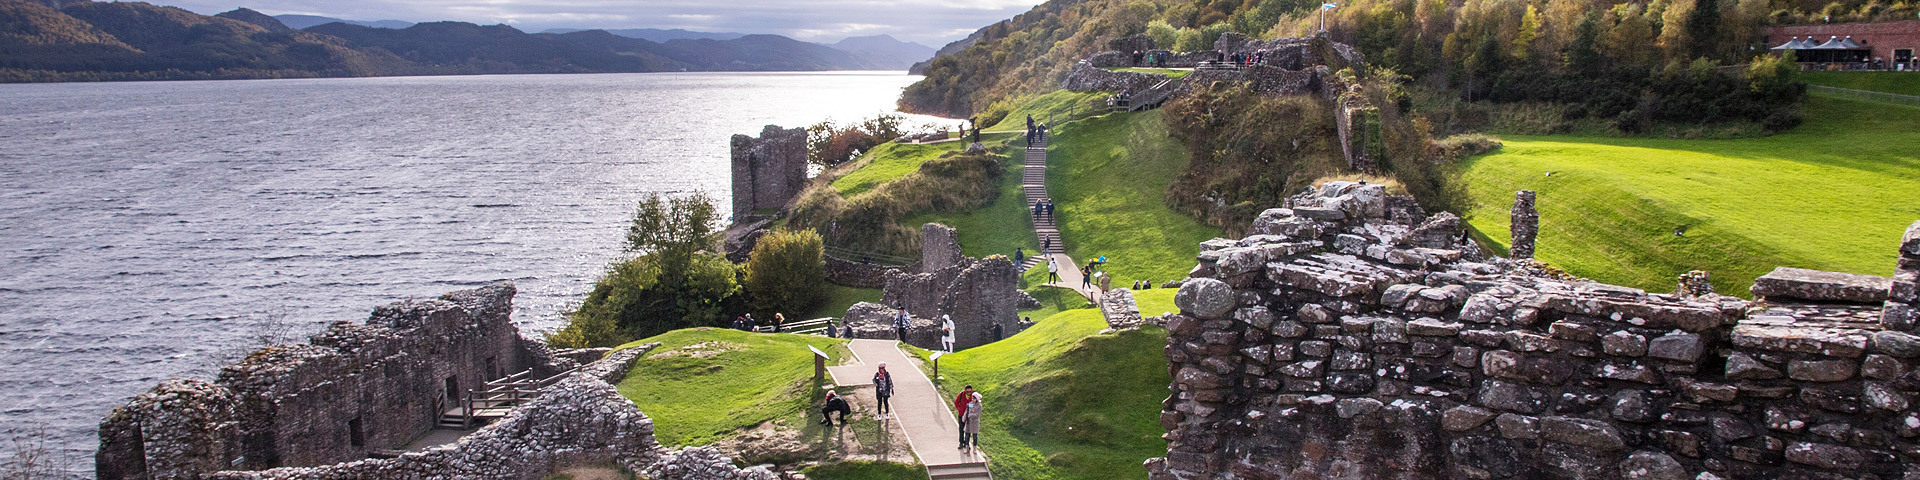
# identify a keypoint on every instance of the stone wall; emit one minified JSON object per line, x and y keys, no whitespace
{"x":857,"y":274}
{"x":769,"y":170}
{"x":1332,"y":346}
{"x":973,"y":292}
{"x":875,"y":321}
{"x":352,"y":390}
{"x":939,"y":247}
{"x":1088,"y":77}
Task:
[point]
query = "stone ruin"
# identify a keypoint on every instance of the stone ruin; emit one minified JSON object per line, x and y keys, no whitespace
{"x":768,"y":171}
{"x":353,"y":390}
{"x":973,"y":292}
{"x":319,"y":410}
{"x":1360,"y":345}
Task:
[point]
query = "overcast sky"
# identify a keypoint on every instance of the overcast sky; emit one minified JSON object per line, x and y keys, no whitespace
{"x":929,"y":22}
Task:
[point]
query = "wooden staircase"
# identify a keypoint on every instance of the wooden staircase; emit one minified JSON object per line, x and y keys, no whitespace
{"x":959,"y":471}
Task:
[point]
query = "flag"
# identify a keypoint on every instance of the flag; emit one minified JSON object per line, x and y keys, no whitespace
{"x":1325,"y":6}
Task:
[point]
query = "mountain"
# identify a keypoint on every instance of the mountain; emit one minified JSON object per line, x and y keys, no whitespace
{"x":657,"y":35}
{"x":884,"y":51}
{"x":301,"y":22}
{"x":920,"y":67}
{"x":260,"y":19}
{"x":763,"y":53}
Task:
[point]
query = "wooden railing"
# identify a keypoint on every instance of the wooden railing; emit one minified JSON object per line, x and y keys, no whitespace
{"x":505,"y":393}
{"x":1893,"y":98}
{"x":852,"y":255}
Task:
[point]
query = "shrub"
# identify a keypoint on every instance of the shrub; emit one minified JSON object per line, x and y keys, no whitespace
{"x":673,"y":283}
{"x":1459,"y":147}
{"x":786,"y":273}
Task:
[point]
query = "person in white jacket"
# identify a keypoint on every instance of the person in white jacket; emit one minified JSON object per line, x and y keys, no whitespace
{"x":946,"y":333}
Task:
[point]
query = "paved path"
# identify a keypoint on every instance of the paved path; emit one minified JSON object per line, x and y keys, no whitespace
{"x":922,"y":413}
{"x":1033,"y":182}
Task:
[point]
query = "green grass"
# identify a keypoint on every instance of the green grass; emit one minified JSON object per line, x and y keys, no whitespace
{"x":1155,"y":301}
{"x":1169,"y":72}
{"x":893,"y":160}
{"x":996,"y":229}
{"x":697,"y":401}
{"x":1064,"y":402}
{"x":839,"y":298}
{"x":1109,"y":175}
{"x":866,"y":471}
{"x":1834,"y":194}
{"x":1058,"y":103}
{"x":1904,"y":83}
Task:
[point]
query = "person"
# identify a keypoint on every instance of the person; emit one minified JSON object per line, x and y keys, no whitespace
{"x":883,"y":389}
{"x":831,"y":333}
{"x":996,"y":330}
{"x":900,"y":324}
{"x":779,"y":322}
{"x":1046,"y":246}
{"x":846,"y":330}
{"x":960,"y":404}
{"x":750,"y":324}
{"x":1086,"y":276}
{"x":1049,"y":208}
{"x":1053,"y":271}
{"x":835,"y":404}
{"x":970,"y":426}
{"x":1037,"y":209}
{"x":1019,"y":256}
{"x":946,"y":333}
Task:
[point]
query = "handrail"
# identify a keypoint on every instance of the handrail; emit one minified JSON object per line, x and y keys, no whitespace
{"x":1894,"y":98}
{"x":856,"y":256}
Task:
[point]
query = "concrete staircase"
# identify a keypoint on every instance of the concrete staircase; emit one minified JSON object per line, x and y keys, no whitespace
{"x":1033,"y":182}
{"x":959,"y":471}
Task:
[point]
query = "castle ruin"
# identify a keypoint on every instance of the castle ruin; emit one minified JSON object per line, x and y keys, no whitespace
{"x":1338,"y":341}
{"x":768,"y":171}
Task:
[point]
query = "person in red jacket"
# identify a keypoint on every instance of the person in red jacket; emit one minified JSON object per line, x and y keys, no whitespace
{"x":960,"y":412}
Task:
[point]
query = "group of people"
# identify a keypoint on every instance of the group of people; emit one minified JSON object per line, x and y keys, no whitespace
{"x":1087,"y":271}
{"x":967,"y":407}
{"x":1248,"y":59}
{"x":746,"y":323}
{"x":1142,"y":284}
{"x":1157,"y":58}
{"x":1034,"y":131}
{"x":1043,"y":208}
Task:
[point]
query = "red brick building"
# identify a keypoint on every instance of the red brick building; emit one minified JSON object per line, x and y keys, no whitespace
{"x":1895,"y":42}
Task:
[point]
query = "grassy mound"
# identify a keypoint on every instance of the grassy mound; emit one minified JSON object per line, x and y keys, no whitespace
{"x":1904,"y":83}
{"x":893,"y":160}
{"x":1109,"y":176}
{"x":1833,"y":194}
{"x":994,"y":229}
{"x":729,"y":381}
{"x":1058,"y":104}
{"x":1064,"y":402}
{"x":866,"y":471}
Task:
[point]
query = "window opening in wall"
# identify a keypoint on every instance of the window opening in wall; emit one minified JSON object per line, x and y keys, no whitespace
{"x":356,"y":436}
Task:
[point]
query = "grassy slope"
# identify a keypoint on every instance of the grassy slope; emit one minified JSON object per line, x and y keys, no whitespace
{"x":841,"y":297}
{"x":1904,"y":83}
{"x":699,"y":401}
{"x":1833,"y":194}
{"x":893,"y":160}
{"x":996,"y":229}
{"x":866,"y":471}
{"x":1109,"y":175}
{"x":1169,"y":72}
{"x":1065,"y":403}
{"x":1058,"y":103}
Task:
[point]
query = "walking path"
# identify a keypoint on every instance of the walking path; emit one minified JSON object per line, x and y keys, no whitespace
{"x":1033,"y":181}
{"x":921,"y":411}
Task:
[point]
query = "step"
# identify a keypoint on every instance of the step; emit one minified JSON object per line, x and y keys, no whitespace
{"x":958,"y":471}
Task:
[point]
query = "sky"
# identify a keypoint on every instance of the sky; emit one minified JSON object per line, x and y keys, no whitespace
{"x":933,"y":23}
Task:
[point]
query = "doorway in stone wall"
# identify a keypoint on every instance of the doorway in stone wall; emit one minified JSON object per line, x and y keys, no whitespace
{"x":453,"y":390}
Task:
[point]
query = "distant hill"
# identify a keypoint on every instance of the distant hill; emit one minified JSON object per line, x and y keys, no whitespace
{"x":301,"y":22}
{"x":106,"y":41}
{"x":886,"y":52}
{"x":657,"y":35}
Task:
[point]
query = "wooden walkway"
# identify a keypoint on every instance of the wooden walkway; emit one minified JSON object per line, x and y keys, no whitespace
{"x":921,"y":411}
{"x":1033,"y":182}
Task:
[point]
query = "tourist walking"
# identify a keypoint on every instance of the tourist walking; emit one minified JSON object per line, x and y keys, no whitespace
{"x":960,"y":404}
{"x":1086,"y":276}
{"x":1019,"y":256}
{"x":1053,"y":270}
{"x":900,"y":324}
{"x":970,"y":426}
{"x":946,"y":333}
{"x":835,"y":404}
{"x":883,"y":389}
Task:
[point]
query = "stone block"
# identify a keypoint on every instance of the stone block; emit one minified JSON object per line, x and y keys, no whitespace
{"x":1431,"y":327}
{"x":1205,"y":298}
{"x":1390,"y":330}
{"x":1740,"y":366}
{"x":1592,"y":434}
{"x":1624,"y":343}
{"x":1820,"y":286}
{"x":1898,"y":344}
{"x":1463,"y":418}
{"x":1910,"y":242}
{"x":1882,"y":367}
{"x":1679,"y":347}
{"x":1518,"y":427}
{"x":1827,"y":456}
{"x":1649,"y":465}
{"x":1821,"y":370}
{"x":1509,"y":396}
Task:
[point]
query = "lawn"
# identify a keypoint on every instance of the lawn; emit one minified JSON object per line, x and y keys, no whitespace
{"x":866,"y":471}
{"x":893,"y":160}
{"x":1833,"y":194}
{"x":1059,"y":104}
{"x":756,"y":378}
{"x":1065,"y":402}
{"x":1108,"y":175}
{"x":1904,"y":83}
{"x":995,"y":229}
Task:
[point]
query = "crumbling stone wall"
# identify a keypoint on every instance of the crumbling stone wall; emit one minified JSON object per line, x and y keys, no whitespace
{"x":1330,"y":346}
{"x":352,"y":390}
{"x":858,"y":274}
{"x":973,"y":292}
{"x":1089,"y":77}
{"x":875,"y":321}
{"x":1525,"y":224}
{"x":769,"y":170}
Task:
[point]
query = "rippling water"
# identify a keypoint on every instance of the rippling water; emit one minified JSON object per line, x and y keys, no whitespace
{"x":147,"y":228}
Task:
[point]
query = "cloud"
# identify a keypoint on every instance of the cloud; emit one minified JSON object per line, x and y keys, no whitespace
{"x":930,"y":22}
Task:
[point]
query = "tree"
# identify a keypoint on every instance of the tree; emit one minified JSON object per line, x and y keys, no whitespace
{"x":1529,"y":30}
{"x":672,"y":230}
{"x":1703,"y":29}
{"x":1580,"y":56}
{"x":672,"y":282}
{"x":1162,"y":33}
{"x":786,"y":272}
